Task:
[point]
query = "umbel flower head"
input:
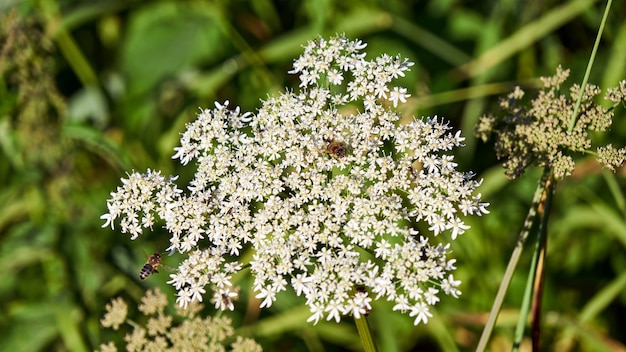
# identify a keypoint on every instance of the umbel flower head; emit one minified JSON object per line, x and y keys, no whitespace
{"x":162,"y":332}
{"x":542,"y":132}
{"x":337,"y":200}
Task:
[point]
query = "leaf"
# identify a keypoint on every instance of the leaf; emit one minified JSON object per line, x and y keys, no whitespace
{"x":525,"y":37}
{"x":32,"y":327}
{"x":167,"y":38}
{"x":94,"y":141}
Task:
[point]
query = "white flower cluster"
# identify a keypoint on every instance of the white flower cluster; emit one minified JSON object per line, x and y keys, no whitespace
{"x":325,"y":188}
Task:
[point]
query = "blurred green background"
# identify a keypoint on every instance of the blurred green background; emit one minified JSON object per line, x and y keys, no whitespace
{"x":90,"y":90}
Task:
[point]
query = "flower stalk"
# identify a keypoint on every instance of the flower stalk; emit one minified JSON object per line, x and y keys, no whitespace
{"x":532,"y":292}
{"x":365,"y":333}
{"x":510,"y":268}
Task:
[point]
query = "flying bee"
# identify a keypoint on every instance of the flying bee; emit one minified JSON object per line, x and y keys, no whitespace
{"x":336,"y":149}
{"x":151,"y":266}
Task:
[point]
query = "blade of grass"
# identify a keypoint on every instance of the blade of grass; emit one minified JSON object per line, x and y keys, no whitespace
{"x":615,"y":70}
{"x":68,"y":319}
{"x":524,"y":37}
{"x":611,"y":221}
{"x":616,"y":192}
{"x":468,"y":93}
{"x":429,"y":41}
{"x":440,"y":331}
{"x":71,"y":51}
{"x":591,"y":310}
{"x":592,"y":57}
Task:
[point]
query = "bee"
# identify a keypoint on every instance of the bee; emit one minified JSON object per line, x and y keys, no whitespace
{"x":336,"y":149}
{"x":151,"y":266}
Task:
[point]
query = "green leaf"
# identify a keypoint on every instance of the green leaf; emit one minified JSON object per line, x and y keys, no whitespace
{"x":166,"y":38}
{"x":96,"y":142}
{"x":33,"y":327}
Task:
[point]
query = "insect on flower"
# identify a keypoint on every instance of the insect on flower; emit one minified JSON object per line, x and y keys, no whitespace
{"x":336,"y":149}
{"x":151,"y":266}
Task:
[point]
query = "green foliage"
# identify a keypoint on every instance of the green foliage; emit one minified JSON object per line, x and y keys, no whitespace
{"x":90,"y":90}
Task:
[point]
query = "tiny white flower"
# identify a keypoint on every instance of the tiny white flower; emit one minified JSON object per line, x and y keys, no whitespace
{"x":109,"y":220}
{"x":421,"y":313}
{"x":457,"y":226}
{"x":335,"y":77}
{"x":317,"y":311}
{"x":268,"y":296}
{"x":334,"y":309}
{"x":431,"y":296}
{"x":450,"y":285}
{"x":184,"y":297}
{"x":398,"y":94}
{"x":402,"y":303}
{"x":300,"y":284}
{"x":196,"y":290}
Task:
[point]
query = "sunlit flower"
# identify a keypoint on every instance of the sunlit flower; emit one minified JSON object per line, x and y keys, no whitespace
{"x":323,"y":188}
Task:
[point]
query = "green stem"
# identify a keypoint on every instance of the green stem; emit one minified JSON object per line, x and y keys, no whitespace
{"x":508,"y":274}
{"x":543,"y":232}
{"x":573,"y":119}
{"x":68,"y":46}
{"x":365,"y":334}
{"x":529,"y":291}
